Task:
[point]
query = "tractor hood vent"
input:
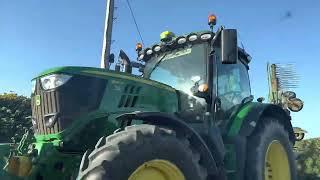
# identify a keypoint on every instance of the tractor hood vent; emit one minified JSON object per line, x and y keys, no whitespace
{"x":129,"y":97}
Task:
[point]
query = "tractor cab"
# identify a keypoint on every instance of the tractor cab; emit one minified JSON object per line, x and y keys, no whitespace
{"x":206,"y":68}
{"x":181,"y":64}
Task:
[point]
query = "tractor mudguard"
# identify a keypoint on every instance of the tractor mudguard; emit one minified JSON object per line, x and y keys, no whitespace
{"x":174,"y":122}
{"x":243,"y":125}
{"x":251,"y":114}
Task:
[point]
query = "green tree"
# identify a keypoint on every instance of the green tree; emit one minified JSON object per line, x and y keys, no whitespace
{"x":309,"y":159}
{"x":15,"y":112}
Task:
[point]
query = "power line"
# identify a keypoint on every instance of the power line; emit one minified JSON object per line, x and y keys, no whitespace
{"x":135,"y":22}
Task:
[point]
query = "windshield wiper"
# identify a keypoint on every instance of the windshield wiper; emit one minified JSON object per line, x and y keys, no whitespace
{"x":157,"y":63}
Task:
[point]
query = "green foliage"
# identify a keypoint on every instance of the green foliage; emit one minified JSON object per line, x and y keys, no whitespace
{"x":309,"y":159}
{"x":15,"y":112}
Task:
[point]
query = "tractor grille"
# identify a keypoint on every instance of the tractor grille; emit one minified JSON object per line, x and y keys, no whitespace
{"x":80,"y":95}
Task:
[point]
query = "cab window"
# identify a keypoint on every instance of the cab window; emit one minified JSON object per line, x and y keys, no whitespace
{"x":233,"y":84}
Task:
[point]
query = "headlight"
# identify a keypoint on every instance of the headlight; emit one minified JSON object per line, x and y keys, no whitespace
{"x":33,"y":83}
{"x":205,"y":36}
{"x":192,"y":37}
{"x":54,"y":81}
{"x":149,"y":52}
{"x":181,"y":40}
{"x":157,"y":48}
{"x":141,"y":56}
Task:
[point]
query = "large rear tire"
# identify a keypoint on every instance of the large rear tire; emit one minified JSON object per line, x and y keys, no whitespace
{"x":269,"y":154}
{"x":142,"y":152}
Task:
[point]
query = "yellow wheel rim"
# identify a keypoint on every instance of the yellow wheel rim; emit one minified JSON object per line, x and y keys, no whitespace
{"x":276,"y":162}
{"x":157,"y":170}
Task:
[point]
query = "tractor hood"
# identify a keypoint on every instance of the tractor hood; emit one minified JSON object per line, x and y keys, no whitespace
{"x":76,"y":94}
{"x":101,"y":73}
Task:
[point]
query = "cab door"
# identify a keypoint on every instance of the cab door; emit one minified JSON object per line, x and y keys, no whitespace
{"x":232,"y":86}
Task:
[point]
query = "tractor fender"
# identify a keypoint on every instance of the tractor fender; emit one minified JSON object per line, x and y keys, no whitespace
{"x":172,"y":121}
{"x":258,"y":110}
{"x":244,"y":123}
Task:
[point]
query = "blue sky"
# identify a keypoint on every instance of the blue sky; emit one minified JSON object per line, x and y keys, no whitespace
{"x":36,"y":35}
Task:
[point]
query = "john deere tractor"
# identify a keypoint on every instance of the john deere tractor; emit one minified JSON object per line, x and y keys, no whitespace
{"x":190,"y":115}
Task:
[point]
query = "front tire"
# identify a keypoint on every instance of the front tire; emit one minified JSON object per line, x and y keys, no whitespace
{"x":269,"y":153}
{"x":142,"y":152}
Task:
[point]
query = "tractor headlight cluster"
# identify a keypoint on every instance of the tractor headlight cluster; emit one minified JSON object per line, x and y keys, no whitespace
{"x":54,"y":80}
{"x":169,"y":42}
{"x":148,"y":52}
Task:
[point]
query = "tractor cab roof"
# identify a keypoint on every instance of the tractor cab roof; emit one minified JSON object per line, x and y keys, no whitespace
{"x":169,"y":41}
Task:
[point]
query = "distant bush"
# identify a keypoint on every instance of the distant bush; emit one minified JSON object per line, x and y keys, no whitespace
{"x":15,"y":112}
{"x":309,"y":159}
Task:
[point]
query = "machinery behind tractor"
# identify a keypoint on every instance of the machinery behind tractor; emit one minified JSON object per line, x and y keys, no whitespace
{"x":189,"y":116}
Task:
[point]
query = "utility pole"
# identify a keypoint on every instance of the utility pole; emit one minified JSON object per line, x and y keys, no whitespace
{"x":107,"y":35}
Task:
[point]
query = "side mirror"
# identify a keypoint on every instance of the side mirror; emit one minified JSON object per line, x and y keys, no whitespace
{"x":229,"y":46}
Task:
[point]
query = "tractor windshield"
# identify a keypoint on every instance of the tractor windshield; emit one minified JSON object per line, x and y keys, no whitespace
{"x":179,"y":68}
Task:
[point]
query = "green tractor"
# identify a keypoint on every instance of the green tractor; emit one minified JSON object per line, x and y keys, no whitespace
{"x":189,"y":116}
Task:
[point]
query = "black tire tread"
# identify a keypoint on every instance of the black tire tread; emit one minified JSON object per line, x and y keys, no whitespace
{"x":255,"y":146}
{"x":93,"y":162}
